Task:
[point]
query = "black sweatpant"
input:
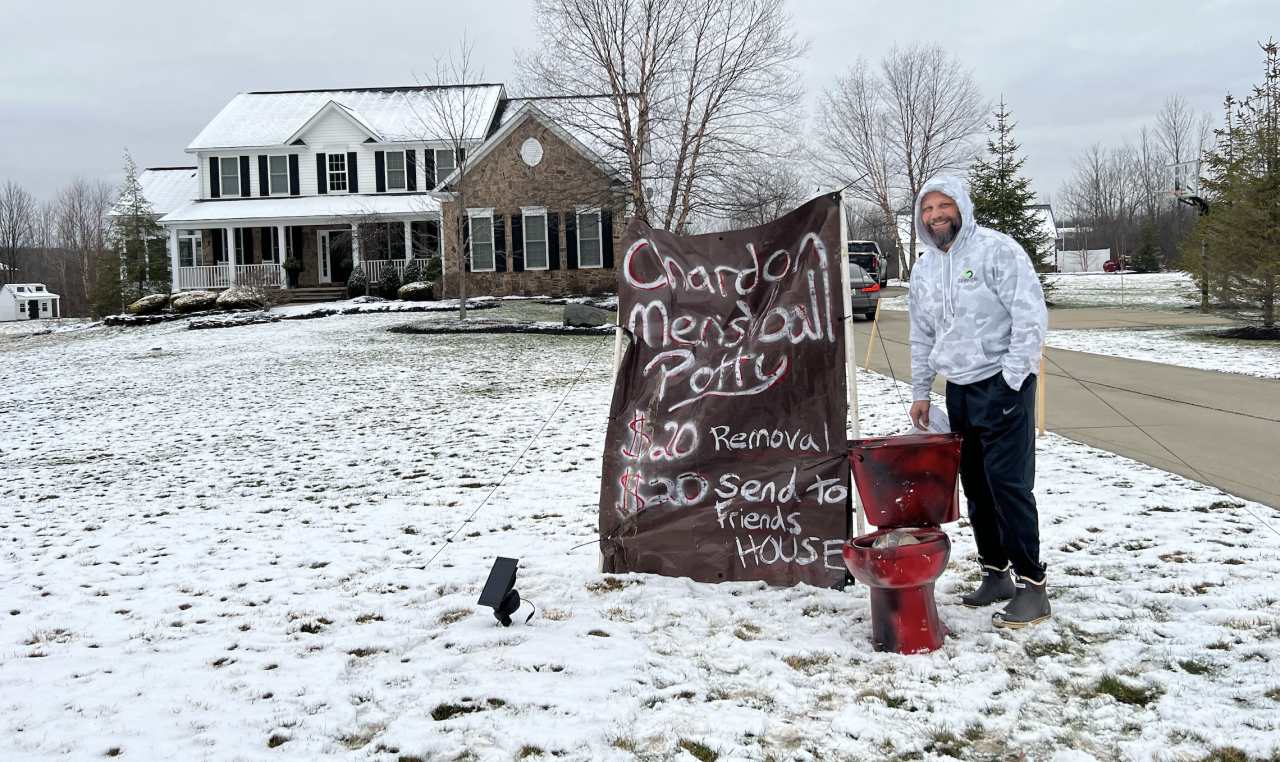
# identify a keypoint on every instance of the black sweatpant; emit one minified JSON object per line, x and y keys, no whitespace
{"x":998,"y":469}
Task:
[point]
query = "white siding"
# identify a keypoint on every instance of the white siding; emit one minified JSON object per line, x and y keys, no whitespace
{"x":333,"y":129}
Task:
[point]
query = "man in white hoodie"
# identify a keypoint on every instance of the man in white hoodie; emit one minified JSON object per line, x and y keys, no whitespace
{"x":978,"y":317}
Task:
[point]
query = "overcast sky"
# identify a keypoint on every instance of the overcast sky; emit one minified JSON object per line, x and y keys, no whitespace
{"x":83,"y":80}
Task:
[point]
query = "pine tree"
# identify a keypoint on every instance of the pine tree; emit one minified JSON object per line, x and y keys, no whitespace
{"x":1146,"y":258}
{"x":138,"y":263}
{"x":1237,"y":244}
{"x":1002,"y":199}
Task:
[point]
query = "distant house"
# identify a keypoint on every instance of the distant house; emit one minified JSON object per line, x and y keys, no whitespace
{"x":340,"y":179}
{"x":28,"y":301}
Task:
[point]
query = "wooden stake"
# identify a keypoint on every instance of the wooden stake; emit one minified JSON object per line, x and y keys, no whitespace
{"x":851,"y":362}
{"x":1040,"y":393}
{"x":874,"y":327}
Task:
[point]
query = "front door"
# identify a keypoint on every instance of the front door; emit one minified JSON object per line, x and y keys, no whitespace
{"x":33,"y":310}
{"x":323,"y":256}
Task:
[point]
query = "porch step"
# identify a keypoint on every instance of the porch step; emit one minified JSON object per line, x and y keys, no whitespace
{"x":315,"y":294}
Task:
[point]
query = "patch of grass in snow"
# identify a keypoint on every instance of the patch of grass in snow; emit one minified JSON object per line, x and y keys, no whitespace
{"x":609,"y":584}
{"x":892,"y":702}
{"x":361,"y":738}
{"x":808,"y":664}
{"x":48,"y":636}
{"x":944,"y":743}
{"x":276,"y":740}
{"x":443,"y":712}
{"x":700,"y":752}
{"x":1229,"y":754}
{"x":1110,"y":685}
{"x":454,"y":615}
{"x":746,"y":631}
{"x":529,"y":750}
{"x":1192,"y":667}
{"x":364,"y":618}
{"x":599,"y":633}
{"x":559,"y":615}
{"x":360,"y":653}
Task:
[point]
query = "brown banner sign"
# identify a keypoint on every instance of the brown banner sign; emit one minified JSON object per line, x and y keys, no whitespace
{"x":724,"y":455}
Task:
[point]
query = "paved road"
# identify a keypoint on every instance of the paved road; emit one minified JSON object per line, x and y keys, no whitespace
{"x":1225,"y":425}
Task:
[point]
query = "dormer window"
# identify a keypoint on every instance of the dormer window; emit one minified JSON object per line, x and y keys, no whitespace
{"x":337,"y":172}
{"x":229,"y":175}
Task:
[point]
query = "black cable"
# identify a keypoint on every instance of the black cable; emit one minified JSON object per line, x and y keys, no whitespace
{"x":591,"y":358}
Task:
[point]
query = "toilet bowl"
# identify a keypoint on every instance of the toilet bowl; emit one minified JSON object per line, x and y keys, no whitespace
{"x":907,"y":484}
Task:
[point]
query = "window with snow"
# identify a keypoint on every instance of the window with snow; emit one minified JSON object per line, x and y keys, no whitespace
{"x":337,"y":172}
{"x":395,"y":170}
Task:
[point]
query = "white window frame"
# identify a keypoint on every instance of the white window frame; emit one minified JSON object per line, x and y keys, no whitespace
{"x":386,"y":171}
{"x":453,"y":159}
{"x":222,"y":176}
{"x":472,"y":216}
{"x":271,"y":176}
{"x":196,"y":239}
{"x":599,"y":229}
{"x":535,"y":211}
{"x":331,"y":172}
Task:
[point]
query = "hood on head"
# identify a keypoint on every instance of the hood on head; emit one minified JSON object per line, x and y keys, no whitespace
{"x":953,"y":187}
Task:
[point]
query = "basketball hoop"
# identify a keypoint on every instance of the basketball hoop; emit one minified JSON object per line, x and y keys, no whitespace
{"x":1182,"y":181}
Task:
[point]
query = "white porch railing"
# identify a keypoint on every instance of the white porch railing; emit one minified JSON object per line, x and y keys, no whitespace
{"x":205,"y":277}
{"x":270,"y":275}
{"x":373,"y":267}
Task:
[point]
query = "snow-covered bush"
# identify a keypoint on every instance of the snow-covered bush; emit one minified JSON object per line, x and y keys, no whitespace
{"x":388,"y":281}
{"x":194,"y":301}
{"x":149,"y":304}
{"x":418,"y":291}
{"x":357,"y":284}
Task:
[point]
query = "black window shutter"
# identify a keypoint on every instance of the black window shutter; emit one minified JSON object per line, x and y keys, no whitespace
{"x":553,"y":241}
{"x":322,"y":174}
{"x":216,"y":240}
{"x":411,"y":170}
{"x":264,"y":177}
{"x":429,"y":169}
{"x":499,"y":243}
{"x":294,"y":187}
{"x":466,"y":244}
{"x":379,"y":171}
{"x":462,"y":157}
{"x":246,"y":236}
{"x":215,"y":181}
{"x":570,"y":241}
{"x":245,"y":188}
{"x":295,"y":233}
{"x":517,"y":243}
{"x":433,"y":238}
{"x":353,"y":173}
{"x":606,"y":238}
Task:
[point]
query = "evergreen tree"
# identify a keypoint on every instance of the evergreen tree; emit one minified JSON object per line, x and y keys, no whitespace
{"x":1002,"y":199}
{"x":1146,"y":258}
{"x":1236,"y":246}
{"x":138,"y":263}
{"x":388,"y":281}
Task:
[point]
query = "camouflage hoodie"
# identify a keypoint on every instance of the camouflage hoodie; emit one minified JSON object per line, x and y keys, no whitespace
{"x":977,"y":309}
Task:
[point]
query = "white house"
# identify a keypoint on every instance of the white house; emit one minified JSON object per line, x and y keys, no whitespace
{"x":28,"y":301}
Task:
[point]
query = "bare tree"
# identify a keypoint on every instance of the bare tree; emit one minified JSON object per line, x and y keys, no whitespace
{"x":456,"y":115}
{"x":695,"y":88}
{"x":82,"y":208}
{"x":762,"y":190}
{"x":1178,"y":129}
{"x":916,"y":116}
{"x":18,"y":212}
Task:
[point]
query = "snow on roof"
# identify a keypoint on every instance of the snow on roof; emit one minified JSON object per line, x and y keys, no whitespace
{"x":168,"y":188}
{"x":295,"y":209}
{"x":28,"y":290}
{"x":396,"y":114}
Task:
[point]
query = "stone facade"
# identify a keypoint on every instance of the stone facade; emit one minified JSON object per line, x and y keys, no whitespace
{"x":563,"y":180}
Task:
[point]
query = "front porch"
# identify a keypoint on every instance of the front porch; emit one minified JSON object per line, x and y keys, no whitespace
{"x":217,"y":245}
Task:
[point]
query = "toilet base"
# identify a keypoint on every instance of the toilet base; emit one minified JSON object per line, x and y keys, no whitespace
{"x":905,"y":620}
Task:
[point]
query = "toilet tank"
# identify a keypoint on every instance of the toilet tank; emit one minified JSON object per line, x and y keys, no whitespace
{"x":907,"y":481}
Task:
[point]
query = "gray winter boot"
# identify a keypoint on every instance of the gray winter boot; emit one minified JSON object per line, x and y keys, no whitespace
{"x":1030,"y":605}
{"x":996,"y":586}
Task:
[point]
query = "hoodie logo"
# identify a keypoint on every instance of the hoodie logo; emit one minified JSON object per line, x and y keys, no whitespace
{"x":966,"y":277}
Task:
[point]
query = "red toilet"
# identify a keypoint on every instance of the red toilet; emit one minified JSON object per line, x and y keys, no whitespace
{"x":908,"y":489}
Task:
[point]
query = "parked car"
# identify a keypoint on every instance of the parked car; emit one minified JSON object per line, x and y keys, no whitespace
{"x":865,"y":289}
{"x":867,"y":255}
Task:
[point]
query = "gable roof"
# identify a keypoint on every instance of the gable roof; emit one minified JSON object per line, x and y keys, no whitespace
{"x":517,"y":111}
{"x":168,"y":188}
{"x":333,"y":107}
{"x":399,"y":114}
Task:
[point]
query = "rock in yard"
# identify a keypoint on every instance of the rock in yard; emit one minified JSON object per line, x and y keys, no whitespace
{"x":149,"y":304}
{"x":238,"y":298}
{"x":195,"y":301}
{"x":418,"y":291}
{"x":582,"y":316}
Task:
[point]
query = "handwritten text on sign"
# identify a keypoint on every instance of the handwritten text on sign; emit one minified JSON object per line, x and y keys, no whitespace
{"x":729,"y":410}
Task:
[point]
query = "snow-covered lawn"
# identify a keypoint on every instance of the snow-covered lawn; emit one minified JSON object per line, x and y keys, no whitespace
{"x":1186,"y":347}
{"x":217,"y":553}
{"x":1169,"y":291}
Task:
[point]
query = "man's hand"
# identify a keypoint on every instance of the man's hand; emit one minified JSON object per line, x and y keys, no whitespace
{"x":920,"y":414}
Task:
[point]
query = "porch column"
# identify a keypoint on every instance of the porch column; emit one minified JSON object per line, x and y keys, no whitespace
{"x":355,"y":245}
{"x":408,"y":240}
{"x":175,"y":269}
{"x":230,"y":236}
{"x":283,"y":254}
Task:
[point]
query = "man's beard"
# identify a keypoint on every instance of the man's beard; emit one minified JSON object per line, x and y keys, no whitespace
{"x":946,"y":236}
